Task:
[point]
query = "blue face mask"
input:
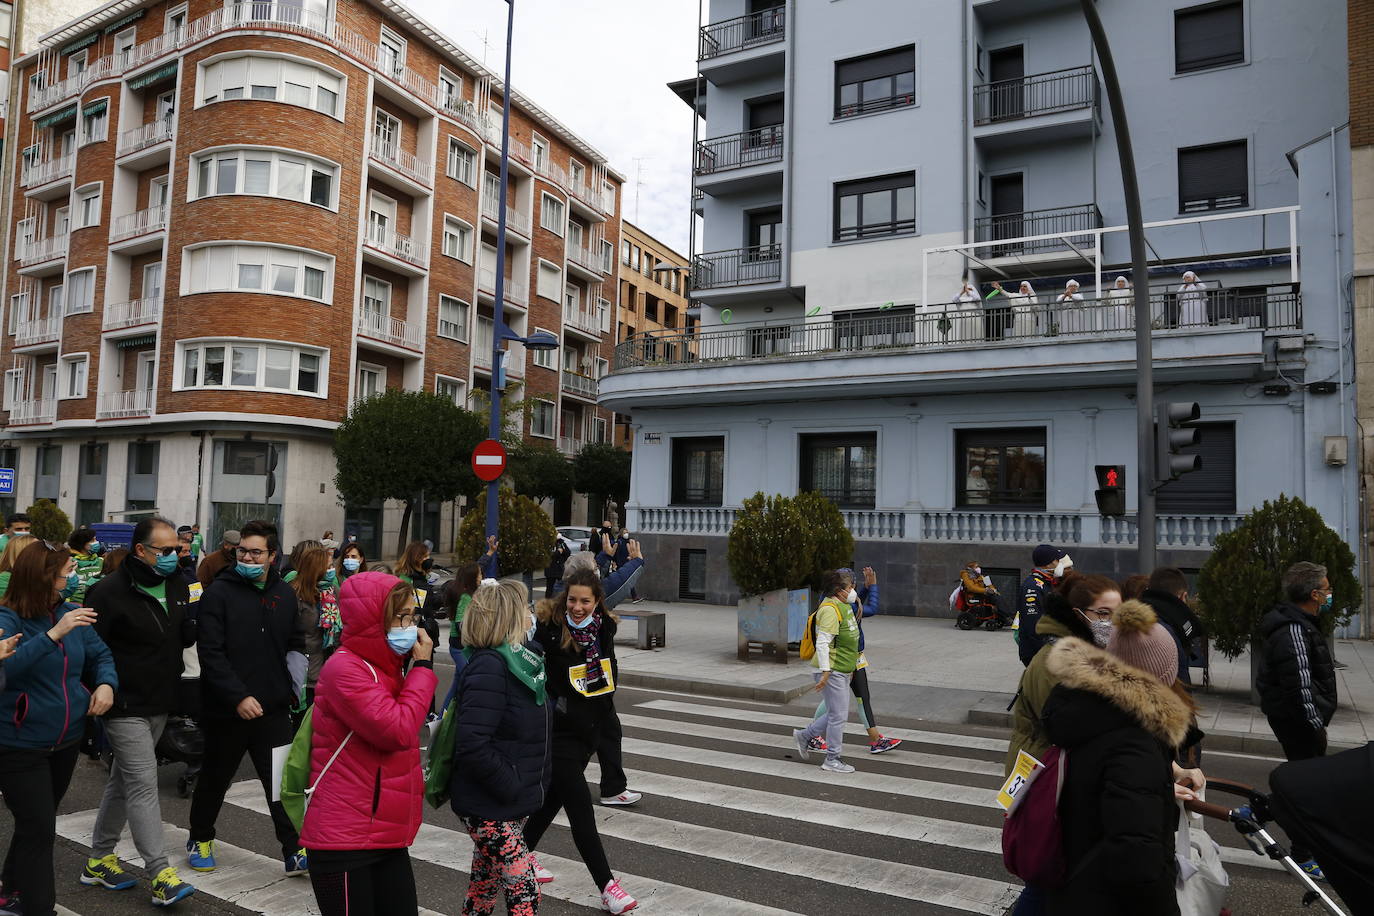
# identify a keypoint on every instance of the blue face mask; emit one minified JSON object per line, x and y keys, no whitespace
{"x":586,"y":621}
{"x":352,"y":563}
{"x":93,"y":548}
{"x":247,"y":570}
{"x":1328,"y":604}
{"x":330,"y":577}
{"x":167,"y":565}
{"x":402,"y":639}
{"x":73,"y":580}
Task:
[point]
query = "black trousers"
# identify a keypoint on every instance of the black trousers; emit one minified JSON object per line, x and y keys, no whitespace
{"x":383,"y":887}
{"x":33,"y":782}
{"x":609,"y":758}
{"x":568,"y":790}
{"x":226,"y":741}
{"x":1299,"y":742}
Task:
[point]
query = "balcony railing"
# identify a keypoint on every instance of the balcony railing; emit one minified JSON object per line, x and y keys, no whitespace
{"x":134,"y":312}
{"x":592,"y":196}
{"x":54,"y":92}
{"x":114,"y":405}
{"x":738,"y":267}
{"x":517,"y":292}
{"x":49,"y":249}
{"x":407,"y":164}
{"x":590,"y":258}
{"x":460,"y":109}
{"x":131,"y":141}
{"x":32,"y":411}
{"x":141,"y":222}
{"x":752,"y":147}
{"x":1040,"y":94}
{"x":37,"y":331}
{"x":570,"y":445}
{"x":395,"y":331}
{"x":398,"y":246}
{"x":491,"y":209}
{"x":578,"y":384}
{"x":729,"y":35}
{"x":581,"y":319}
{"x":1008,"y":320}
{"x":41,"y":173}
{"x":1039,"y":222}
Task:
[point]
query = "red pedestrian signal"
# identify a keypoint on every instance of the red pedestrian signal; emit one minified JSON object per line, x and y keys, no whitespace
{"x":1113,"y":478}
{"x":1111,"y":489}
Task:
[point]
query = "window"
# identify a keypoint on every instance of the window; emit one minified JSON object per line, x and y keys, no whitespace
{"x":261,"y":365}
{"x":72,"y":375}
{"x":287,"y":80}
{"x":541,"y":152}
{"x":19,"y":309}
{"x":698,"y":471}
{"x":265,"y":173}
{"x":875,"y":207}
{"x":258,"y":269}
{"x":765,"y":235}
{"x":124,"y":45}
{"x":552,"y":213}
{"x":1209,"y":36}
{"x":1214,"y":177}
{"x":634,"y":258}
{"x":94,"y":121}
{"x":24,"y":236}
{"x":544,"y":358}
{"x":371,"y":381}
{"x":450,"y":89}
{"x":453,"y":318}
{"x":80,"y":292}
{"x":450,"y":388}
{"x":1000,"y":468}
{"x":386,"y":135}
{"x":541,"y":419}
{"x":607,"y":257}
{"x":391,"y":57}
{"x":1211,"y":490}
{"x":875,"y":82}
{"x":550,"y":281}
{"x":625,"y":247}
{"x":462,"y":163}
{"x":842,"y":468}
{"x":376,"y":296}
{"x":55,"y":295}
{"x":14,"y":387}
{"x":87,"y":208}
{"x":76,"y":63}
{"x":457,"y":239}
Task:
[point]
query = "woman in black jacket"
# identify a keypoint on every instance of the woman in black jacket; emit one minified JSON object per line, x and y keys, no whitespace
{"x":553,"y":573}
{"x":577,"y":634}
{"x":501,"y":761}
{"x":1120,"y":715}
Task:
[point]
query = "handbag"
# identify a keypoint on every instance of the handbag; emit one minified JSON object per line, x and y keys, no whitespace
{"x":1202,"y":881}
{"x":1032,"y":834}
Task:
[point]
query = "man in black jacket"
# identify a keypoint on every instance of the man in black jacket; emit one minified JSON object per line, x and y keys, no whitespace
{"x":1296,"y":679}
{"x":1167,"y":593}
{"x":1050,"y":565}
{"x":251,"y":652}
{"x":144,"y":618}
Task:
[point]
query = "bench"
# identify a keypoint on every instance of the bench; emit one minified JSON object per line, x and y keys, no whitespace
{"x":652,"y":628}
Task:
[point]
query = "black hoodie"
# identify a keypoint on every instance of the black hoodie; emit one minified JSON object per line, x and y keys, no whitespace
{"x":244,"y":636}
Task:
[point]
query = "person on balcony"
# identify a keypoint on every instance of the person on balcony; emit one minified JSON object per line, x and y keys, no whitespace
{"x":1192,"y":302}
{"x":964,"y":321}
{"x":1025,"y":312}
{"x":1069,"y":311}
{"x":1119,"y":316}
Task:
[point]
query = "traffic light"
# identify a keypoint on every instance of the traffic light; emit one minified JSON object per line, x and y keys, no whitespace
{"x":1173,"y":434}
{"x":1111,"y":489}
{"x":271,"y":470}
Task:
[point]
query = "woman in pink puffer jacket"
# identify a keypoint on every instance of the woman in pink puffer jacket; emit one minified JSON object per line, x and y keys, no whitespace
{"x":366,"y":809}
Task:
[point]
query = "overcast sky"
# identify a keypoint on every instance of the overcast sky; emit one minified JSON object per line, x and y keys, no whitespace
{"x":601,"y":67}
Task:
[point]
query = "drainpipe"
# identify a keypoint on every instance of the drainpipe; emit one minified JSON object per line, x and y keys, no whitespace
{"x":789,"y":147}
{"x":964,"y":130}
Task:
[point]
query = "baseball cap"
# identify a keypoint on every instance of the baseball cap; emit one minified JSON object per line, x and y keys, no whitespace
{"x":1046,"y":554}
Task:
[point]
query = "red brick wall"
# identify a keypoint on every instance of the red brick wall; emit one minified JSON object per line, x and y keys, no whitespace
{"x":1360,"y":41}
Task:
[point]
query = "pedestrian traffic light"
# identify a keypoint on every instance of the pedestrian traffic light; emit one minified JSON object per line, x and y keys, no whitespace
{"x":1173,"y":434}
{"x":1111,"y":489}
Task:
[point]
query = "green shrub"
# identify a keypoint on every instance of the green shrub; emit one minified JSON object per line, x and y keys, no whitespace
{"x":786,"y":542}
{"x":833,"y":545}
{"x":49,"y":522}
{"x":525,"y":532}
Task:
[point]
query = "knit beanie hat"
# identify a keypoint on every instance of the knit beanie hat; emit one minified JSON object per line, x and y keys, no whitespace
{"x":1139,"y":640}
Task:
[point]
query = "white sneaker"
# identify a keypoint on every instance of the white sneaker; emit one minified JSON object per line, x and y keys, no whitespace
{"x":836,"y":765}
{"x":541,"y":874}
{"x":803,"y":745}
{"x":624,"y":798}
{"x":616,"y":900}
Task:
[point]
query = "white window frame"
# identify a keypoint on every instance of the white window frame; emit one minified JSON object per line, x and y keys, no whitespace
{"x":384,"y":288}
{"x":25,"y":235}
{"x":14,"y":387}
{"x":74,"y":307}
{"x":538,"y":291}
{"x":172,"y":14}
{"x":462,"y":327}
{"x":19,"y":303}
{"x":561,"y":208}
{"x":80,"y":364}
{"x":85,"y":134}
{"x":124,"y":41}
{"x":466,"y":154}
{"x":77,"y":62}
{"x":552,"y":418}
{"x":461,"y":385}
{"x":577,"y":172}
{"x":607,"y":256}
{"x":544,"y":359}
{"x":92,"y":192}
{"x":401,"y":46}
{"x":445,"y":74}
{"x":373,"y":369}
{"x":542,"y":152}
{"x":239,"y":254}
{"x":464,"y":241}
{"x":326,"y":82}
{"x":276,"y":156}
{"x":602,"y":430}
{"x":201,"y":344}
{"x":57,"y":299}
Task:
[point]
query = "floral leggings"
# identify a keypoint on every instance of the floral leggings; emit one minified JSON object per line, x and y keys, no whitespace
{"x":500,"y":857}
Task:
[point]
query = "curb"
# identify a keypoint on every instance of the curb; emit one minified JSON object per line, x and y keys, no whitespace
{"x":783,"y":691}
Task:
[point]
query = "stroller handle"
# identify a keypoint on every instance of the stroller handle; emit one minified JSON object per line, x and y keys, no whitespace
{"x":1255,"y":798}
{"x":1207,"y":809}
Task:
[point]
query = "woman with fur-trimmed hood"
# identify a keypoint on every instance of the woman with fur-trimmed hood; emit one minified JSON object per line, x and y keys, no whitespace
{"x":1120,"y":715}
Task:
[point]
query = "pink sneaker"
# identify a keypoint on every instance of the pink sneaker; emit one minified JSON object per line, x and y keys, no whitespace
{"x":615,"y":900}
{"x":541,"y":874}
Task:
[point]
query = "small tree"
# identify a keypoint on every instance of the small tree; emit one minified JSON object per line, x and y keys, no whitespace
{"x":540,"y":472}
{"x":770,"y":546}
{"x":603,"y":470}
{"x":525,"y":533}
{"x":401,"y":444}
{"x":1242,"y":578}
{"x":833,"y":544}
{"x":49,"y":522}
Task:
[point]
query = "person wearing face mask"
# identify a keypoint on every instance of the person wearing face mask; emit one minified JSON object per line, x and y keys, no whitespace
{"x":351,"y":560}
{"x":252,"y":663}
{"x":836,"y":658}
{"x":144,"y":616}
{"x":971,"y":581}
{"x":1297,"y":679}
{"x":18,"y":523}
{"x":85,"y":548}
{"x":577,"y":634}
{"x":1050,"y":565}
{"x":365,"y":753}
{"x":316,"y":596}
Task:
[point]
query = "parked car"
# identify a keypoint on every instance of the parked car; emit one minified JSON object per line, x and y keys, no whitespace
{"x":575,"y":537}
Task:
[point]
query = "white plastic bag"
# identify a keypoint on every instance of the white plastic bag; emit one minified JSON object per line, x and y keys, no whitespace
{"x":1202,"y":881}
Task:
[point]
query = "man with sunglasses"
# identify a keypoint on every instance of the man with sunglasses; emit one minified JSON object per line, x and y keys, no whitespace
{"x":250,"y":646}
{"x":143,"y":615}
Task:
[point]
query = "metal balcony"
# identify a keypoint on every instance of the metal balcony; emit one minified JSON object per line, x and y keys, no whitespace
{"x":407,"y":164}
{"x":132,"y":313}
{"x":583,"y":386}
{"x":41,"y":173}
{"x":1031,"y":96}
{"x":759,"y":146}
{"x":737,"y":267}
{"x":37,"y":331}
{"x":141,"y":222}
{"x":43,"y":250}
{"x":1066,"y":220}
{"x":140,"y":138}
{"x":729,"y":35}
{"x":116,"y":405}
{"x":33,"y":412}
{"x":401,"y":247}
{"x":394,"y":331}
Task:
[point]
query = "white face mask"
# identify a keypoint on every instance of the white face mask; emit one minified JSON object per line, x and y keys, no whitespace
{"x":852,"y":597}
{"x":1066,"y":562}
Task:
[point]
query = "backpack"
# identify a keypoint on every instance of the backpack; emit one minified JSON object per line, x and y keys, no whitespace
{"x":296,"y":787}
{"x":1032,"y":835}
{"x":807,"y":650}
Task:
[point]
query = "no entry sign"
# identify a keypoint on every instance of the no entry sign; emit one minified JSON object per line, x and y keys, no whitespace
{"x":489,"y":460}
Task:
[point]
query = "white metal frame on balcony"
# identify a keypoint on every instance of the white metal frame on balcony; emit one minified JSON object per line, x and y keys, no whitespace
{"x":516,"y":291}
{"x":395,"y":331}
{"x":129,"y":314}
{"x":53,"y":248}
{"x":401,"y":247}
{"x":34,"y":331}
{"x":33,"y":411}
{"x":583,"y":386}
{"x":139,"y":138}
{"x":41,"y":173}
{"x":491,"y":208}
{"x":582,"y":320}
{"x":408,"y":164}
{"x":570,"y":445}
{"x":115,"y":405}
{"x":140,"y":222}
{"x":589,"y":259}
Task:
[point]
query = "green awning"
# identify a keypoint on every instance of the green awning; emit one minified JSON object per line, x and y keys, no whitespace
{"x":96,"y":108}
{"x":142,"y":340}
{"x":84,"y":42}
{"x":32,"y":150}
{"x":120,"y":23}
{"x":57,"y":117}
{"x":151,"y":77}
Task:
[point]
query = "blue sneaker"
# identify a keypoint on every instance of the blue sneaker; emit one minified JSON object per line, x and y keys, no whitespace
{"x":1313,"y":870}
{"x":105,"y":872}
{"x":297,"y":864}
{"x":168,"y":888}
{"x":201,"y":856}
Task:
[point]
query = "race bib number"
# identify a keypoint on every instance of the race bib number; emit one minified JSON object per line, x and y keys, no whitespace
{"x":577,"y":676}
{"x":863,"y":662}
{"x":195,"y":589}
{"x":1022,"y":775}
{"x":420,"y":595}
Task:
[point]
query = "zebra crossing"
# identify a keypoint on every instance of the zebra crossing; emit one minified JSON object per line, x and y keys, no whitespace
{"x":731,"y":823}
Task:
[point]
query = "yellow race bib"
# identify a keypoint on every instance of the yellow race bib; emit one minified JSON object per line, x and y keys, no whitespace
{"x":577,"y":676}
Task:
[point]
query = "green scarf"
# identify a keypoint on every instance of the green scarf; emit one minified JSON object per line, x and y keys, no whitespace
{"x":462,"y":609}
{"x":523,"y":662}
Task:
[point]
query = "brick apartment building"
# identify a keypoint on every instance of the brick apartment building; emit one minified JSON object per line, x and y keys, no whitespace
{"x":230,"y":221}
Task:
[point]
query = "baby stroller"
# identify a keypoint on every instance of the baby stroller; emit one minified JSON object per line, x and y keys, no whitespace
{"x":1258,"y":809}
{"x":182,"y":742}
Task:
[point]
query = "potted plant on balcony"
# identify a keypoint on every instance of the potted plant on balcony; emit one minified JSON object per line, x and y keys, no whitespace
{"x":1241,"y":580}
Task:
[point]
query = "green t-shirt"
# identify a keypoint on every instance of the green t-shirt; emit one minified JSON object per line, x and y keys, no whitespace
{"x":837,"y":618}
{"x":158,"y":592}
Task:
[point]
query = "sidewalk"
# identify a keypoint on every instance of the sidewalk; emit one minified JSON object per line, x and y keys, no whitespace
{"x":922,"y":668}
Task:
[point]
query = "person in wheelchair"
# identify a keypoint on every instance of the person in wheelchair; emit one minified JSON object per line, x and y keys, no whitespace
{"x":978,"y":589}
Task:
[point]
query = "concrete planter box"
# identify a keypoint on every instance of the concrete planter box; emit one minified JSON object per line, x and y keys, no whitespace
{"x":767,"y":623}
